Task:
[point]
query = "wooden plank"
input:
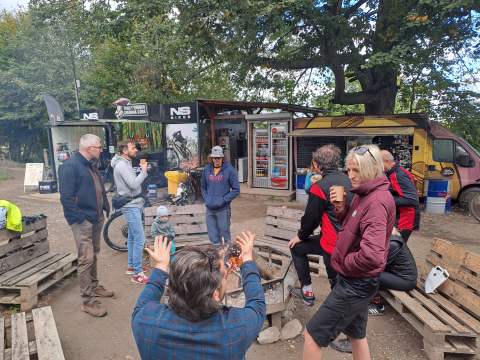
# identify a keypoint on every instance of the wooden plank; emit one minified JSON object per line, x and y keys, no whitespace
{"x":455,"y":311}
{"x":9,"y":234}
{"x":462,"y":257}
{"x":20,"y":243}
{"x":438,"y":312}
{"x":465,"y":297}
{"x":178,"y":210}
{"x":28,"y":269}
{"x":285,"y":224}
{"x":431,"y":321}
{"x":46,"y":334}
{"x":20,"y":349}
{"x":23,"y":256}
{"x":180,"y":219}
{"x":190,"y":229}
{"x":285,"y":213}
{"x":42,"y":274}
{"x":279,"y":233}
{"x":32,"y":348}
{"x":455,"y":271}
{"x":2,"y":338}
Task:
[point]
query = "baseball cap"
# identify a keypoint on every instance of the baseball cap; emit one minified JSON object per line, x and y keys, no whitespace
{"x":217,"y":152}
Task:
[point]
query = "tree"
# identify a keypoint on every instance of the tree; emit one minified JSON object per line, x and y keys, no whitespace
{"x":369,"y":41}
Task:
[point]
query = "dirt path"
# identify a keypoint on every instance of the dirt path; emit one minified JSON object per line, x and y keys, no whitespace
{"x":86,"y":338}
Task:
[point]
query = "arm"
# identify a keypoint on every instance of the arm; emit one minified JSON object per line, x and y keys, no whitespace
{"x":372,"y":255}
{"x":406,"y":194}
{"x":234,"y":184}
{"x":308,"y":182}
{"x":341,"y":215}
{"x":67,"y":181}
{"x":129,"y":177}
{"x":156,"y":230}
{"x":317,"y":204}
{"x":153,"y":290}
{"x":204,"y":182}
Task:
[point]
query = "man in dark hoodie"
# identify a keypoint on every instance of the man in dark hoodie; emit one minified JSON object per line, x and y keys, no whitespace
{"x":219,"y":187}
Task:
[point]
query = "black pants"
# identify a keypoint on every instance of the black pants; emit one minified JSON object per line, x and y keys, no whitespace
{"x":405,"y":234}
{"x":394,"y":282}
{"x":311,"y":247}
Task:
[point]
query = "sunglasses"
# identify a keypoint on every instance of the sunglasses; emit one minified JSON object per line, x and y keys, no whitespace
{"x":210,"y":258}
{"x":361,"y":150}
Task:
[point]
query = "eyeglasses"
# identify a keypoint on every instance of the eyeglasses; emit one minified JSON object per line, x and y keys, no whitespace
{"x":361,"y":150}
{"x":96,"y":147}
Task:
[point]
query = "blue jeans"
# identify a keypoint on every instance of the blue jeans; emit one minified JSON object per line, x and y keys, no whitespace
{"x":218,"y":225}
{"x":136,"y":238}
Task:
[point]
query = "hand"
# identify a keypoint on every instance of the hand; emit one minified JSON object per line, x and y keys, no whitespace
{"x":246,"y":244}
{"x":160,"y":253}
{"x":144,"y":166}
{"x":294,"y":242}
{"x":313,"y":180}
{"x":340,"y":205}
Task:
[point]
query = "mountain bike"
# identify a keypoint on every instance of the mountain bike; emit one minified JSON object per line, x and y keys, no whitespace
{"x":115,"y":231}
{"x":107,"y":177}
{"x":178,"y":152}
{"x":192,"y":185}
{"x":474,"y":206}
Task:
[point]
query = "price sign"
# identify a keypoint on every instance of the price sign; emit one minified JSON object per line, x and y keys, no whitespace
{"x":33,"y":174}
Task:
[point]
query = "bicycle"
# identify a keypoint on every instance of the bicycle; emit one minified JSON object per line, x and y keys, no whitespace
{"x":178,"y":153}
{"x":192,"y":185}
{"x":107,"y":177}
{"x":115,"y":231}
{"x":474,"y":206}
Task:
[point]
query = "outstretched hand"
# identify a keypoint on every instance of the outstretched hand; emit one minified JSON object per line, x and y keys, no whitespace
{"x":160,"y":253}
{"x":246,"y":244}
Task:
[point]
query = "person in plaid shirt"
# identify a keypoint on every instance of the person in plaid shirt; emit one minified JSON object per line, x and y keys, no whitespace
{"x":195,"y":324}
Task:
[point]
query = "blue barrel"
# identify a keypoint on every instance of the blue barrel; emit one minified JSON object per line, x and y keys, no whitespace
{"x":301,"y":182}
{"x":152,"y":190}
{"x":437,"y":195}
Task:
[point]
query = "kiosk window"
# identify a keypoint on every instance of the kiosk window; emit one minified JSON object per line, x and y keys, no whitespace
{"x":443,"y":150}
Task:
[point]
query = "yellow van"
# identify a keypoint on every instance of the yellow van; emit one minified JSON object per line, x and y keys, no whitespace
{"x":424,"y":147}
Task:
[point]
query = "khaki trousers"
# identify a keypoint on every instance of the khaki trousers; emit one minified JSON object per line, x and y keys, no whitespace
{"x":87,"y":238}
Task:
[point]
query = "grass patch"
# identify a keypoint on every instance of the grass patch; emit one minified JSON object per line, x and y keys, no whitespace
{"x":273,"y":198}
{"x":5,"y":177}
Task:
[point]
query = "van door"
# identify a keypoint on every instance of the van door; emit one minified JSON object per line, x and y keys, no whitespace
{"x":443,"y":156}
{"x":467,"y":164}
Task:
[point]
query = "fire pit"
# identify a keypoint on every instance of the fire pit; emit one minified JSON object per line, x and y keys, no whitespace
{"x":275,"y":290}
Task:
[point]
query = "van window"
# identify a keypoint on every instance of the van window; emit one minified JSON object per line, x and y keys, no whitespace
{"x":443,"y":150}
{"x":459,"y":151}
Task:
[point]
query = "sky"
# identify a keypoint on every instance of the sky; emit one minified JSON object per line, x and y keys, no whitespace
{"x":12,"y":4}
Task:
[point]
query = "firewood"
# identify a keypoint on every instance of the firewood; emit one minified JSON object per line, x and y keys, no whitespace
{"x":233,"y":281}
{"x":268,"y":271}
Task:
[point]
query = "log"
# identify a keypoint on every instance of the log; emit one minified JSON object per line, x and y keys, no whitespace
{"x":268,"y":271}
{"x":233,"y":281}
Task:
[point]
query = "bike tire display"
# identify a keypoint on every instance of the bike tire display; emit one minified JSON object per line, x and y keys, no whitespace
{"x":115,"y":231}
{"x":474,"y":206}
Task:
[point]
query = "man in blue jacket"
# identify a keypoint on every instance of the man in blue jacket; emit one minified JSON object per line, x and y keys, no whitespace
{"x":219,"y":187}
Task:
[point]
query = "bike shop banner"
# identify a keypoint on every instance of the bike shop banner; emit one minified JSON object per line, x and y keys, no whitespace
{"x":182,"y":146}
{"x":178,"y":113}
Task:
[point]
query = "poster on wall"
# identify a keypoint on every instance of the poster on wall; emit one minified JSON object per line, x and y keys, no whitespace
{"x":182,"y":146}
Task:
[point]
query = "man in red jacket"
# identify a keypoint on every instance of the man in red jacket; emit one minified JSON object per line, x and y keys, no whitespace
{"x":360,"y":255}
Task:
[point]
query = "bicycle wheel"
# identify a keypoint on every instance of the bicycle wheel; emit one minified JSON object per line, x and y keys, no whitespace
{"x":115,"y":231}
{"x":474,"y":207}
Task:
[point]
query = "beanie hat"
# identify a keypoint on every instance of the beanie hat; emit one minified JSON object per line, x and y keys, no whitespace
{"x":162,"y":211}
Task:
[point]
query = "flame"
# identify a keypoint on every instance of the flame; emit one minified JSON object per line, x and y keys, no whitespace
{"x":234,"y":262}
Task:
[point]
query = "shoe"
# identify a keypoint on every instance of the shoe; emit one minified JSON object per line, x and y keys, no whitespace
{"x":342,"y":345}
{"x":375,"y":308}
{"x":94,"y":309}
{"x":130,"y":270}
{"x":102,"y":292}
{"x":140,"y":278}
{"x":297,"y":292}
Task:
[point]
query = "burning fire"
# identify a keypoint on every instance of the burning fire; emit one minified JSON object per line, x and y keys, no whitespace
{"x":234,"y":263}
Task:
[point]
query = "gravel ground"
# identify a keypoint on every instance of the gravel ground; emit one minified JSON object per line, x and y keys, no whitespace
{"x":83,"y":337}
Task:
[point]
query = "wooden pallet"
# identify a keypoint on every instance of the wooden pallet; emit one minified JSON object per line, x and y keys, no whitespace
{"x":23,"y":284}
{"x":23,"y":335}
{"x":281,"y":225}
{"x":449,"y":320}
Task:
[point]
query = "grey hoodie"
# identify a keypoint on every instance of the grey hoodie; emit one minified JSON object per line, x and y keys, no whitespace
{"x":126,"y":180}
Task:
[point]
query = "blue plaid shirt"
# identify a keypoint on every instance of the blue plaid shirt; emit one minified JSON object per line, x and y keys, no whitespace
{"x":162,"y":334}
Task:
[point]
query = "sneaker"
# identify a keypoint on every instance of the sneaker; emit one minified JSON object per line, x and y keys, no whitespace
{"x":342,"y":345}
{"x":297,"y":292}
{"x":130,"y":270}
{"x":102,"y":292}
{"x":93,"y":308}
{"x":140,"y":278}
{"x":375,"y":308}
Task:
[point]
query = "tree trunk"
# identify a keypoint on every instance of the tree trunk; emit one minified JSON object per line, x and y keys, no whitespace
{"x":383,"y":103}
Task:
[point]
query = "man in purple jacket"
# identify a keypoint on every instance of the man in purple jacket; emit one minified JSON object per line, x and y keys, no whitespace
{"x":360,"y":255}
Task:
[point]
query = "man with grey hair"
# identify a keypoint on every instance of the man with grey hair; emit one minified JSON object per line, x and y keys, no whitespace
{"x":319,"y":211}
{"x":84,"y":200}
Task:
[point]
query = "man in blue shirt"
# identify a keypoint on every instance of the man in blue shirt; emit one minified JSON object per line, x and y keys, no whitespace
{"x":195,"y":324}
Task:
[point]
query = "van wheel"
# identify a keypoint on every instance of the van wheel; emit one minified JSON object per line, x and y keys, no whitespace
{"x":467,"y":195}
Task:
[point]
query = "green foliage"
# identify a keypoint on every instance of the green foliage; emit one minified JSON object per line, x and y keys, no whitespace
{"x":5,"y":177}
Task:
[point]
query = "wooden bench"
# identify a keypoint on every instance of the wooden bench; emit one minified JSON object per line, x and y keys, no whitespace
{"x":449,"y":320}
{"x":281,"y":225}
{"x":23,"y":335}
{"x":27,"y":267}
{"x":188,"y":221}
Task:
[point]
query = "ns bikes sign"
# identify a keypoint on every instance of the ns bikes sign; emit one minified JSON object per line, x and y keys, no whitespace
{"x":179,"y":112}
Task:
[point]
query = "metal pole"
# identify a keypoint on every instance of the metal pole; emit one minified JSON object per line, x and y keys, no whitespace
{"x":74,"y":78}
{"x":3,"y":165}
